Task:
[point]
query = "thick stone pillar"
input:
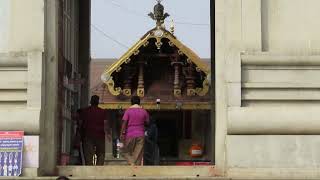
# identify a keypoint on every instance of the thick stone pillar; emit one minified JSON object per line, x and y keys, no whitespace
{"x":48,"y":124}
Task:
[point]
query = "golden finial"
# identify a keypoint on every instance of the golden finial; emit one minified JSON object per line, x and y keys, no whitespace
{"x":172,"y":27}
{"x":158,"y":13}
{"x":163,"y":26}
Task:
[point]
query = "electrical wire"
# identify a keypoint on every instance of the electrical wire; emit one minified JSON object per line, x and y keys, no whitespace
{"x":142,"y":15}
{"x":109,"y":37}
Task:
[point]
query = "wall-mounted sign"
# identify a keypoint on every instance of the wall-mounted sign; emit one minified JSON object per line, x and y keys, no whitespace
{"x":11,"y":145}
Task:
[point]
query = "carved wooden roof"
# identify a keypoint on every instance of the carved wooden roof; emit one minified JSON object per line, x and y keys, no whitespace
{"x":168,"y":101}
{"x":134,"y":50}
{"x":158,"y":37}
{"x":159,"y":66}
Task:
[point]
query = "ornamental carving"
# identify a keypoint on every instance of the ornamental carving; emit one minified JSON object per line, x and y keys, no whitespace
{"x":159,"y":65}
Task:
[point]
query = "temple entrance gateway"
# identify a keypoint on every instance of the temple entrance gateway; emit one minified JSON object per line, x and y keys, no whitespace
{"x":173,"y":84}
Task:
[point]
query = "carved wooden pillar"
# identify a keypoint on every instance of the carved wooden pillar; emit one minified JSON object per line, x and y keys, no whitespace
{"x":140,"y":89}
{"x":127,"y":83}
{"x":190,"y":80}
{"x":176,"y":82}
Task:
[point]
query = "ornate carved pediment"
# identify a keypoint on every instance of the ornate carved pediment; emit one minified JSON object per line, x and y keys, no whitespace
{"x":158,"y":60}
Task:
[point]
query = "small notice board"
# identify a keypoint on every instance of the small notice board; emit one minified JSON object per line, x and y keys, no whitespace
{"x":11,"y":146}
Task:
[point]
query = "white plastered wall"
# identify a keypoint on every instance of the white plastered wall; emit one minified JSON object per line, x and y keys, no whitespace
{"x":291,"y":26}
{"x":21,"y":71}
{"x":22,"y":25}
{"x":266,"y":88}
{"x":21,"y":64}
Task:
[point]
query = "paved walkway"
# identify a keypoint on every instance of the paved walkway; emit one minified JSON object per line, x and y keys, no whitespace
{"x":150,"y":178}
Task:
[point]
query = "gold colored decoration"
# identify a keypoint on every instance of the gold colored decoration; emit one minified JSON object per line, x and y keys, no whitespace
{"x":191,"y":92}
{"x":182,"y":50}
{"x":158,"y":14}
{"x":128,"y":54}
{"x":177,"y":93}
{"x":158,"y":43}
{"x":114,"y":91}
{"x":176,"y":82}
{"x":127,"y":60}
{"x":118,"y":69}
{"x":146,"y":44}
{"x":171,"y":44}
{"x":164,"y":106}
{"x":140,"y":89}
{"x":126,"y":92}
{"x":136,"y":52}
{"x":204,"y":90}
{"x":140,"y":92}
{"x":172,"y":27}
{"x":158,"y":33}
{"x":104,"y":77}
{"x":190,"y":54}
{"x":192,"y":58}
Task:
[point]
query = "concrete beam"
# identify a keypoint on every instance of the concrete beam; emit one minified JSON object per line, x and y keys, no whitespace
{"x":274,"y":120}
{"x":277,"y":156}
{"x":234,"y":94}
{"x":268,"y":59}
{"x":280,"y":94}
{"x":280,"y":85}
{"x":49,"y":133}
{"x":221,"y":86}
{"x":273,"y":173}
{"x":17,"y":80}
{"x":280,"y":75}
{"x":13,"y":95}
{"x":138,"y":171}
{"x":35,"y":83}
{"x":22,"y":119}
{"x":13,"y":59}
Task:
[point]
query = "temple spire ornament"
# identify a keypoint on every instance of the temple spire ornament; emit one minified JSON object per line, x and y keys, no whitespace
{"x":158,"y":14}
{"x":172,"y":27}
{"x":139,"y":70}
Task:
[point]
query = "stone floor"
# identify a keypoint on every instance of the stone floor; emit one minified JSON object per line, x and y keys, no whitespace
{"x":150,"y":178}
{"x":112,"y":172}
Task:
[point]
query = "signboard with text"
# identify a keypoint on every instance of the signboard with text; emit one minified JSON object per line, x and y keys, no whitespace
{"x":11,"y":145}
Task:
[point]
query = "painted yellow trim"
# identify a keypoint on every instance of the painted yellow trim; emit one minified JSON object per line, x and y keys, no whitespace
{"x":163,"y":106}
{"x":134,"y":50}
{"x":203,"y":91}
{"x":114,"y":91}
{"x":190,"y":54}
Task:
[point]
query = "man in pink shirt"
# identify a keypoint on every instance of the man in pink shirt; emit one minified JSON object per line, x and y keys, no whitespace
{"x":132,"y":132}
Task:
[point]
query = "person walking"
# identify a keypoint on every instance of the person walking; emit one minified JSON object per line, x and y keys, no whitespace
{"x":132,"y":132}
{"x":94,"y":127}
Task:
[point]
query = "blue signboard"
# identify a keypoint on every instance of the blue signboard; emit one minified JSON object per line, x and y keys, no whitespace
{"x":11,"y":145}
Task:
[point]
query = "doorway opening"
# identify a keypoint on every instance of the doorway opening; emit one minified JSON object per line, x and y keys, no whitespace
{"x":178,"y":130}
{"x":169,"y":138}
